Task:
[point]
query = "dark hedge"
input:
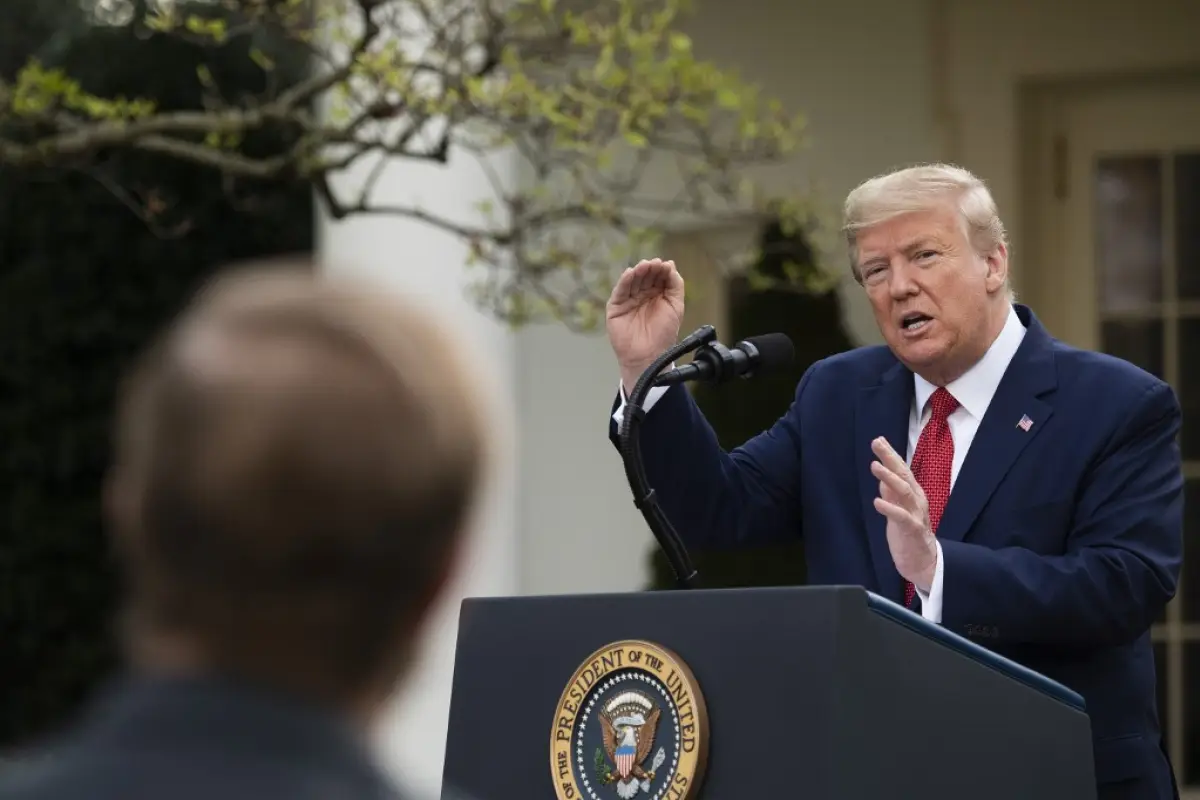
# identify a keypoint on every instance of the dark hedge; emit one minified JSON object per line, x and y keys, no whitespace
{"x":743,"y":409}
{"x":83,"y":283}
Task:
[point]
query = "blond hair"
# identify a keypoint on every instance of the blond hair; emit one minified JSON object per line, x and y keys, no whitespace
{"x":920,"y":188}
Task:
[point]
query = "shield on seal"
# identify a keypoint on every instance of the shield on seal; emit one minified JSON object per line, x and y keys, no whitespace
{"x":626,"y":753}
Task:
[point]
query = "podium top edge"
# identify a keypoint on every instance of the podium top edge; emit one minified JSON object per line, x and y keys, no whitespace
{"x":872,"y":602}
{"x":617,"y":593}
{"x":1005,"y":666}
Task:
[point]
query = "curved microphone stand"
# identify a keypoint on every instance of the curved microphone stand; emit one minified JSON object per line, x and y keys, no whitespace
{"x":635,"y":471}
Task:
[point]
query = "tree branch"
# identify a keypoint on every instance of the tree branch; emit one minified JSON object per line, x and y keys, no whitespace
{"x":224,"y":160}
{"x":590,"y":100}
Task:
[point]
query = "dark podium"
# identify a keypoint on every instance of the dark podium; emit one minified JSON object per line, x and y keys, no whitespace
{"x":811,"y":693}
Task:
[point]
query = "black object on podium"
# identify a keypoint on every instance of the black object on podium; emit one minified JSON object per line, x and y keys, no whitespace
{"x":819,"y":693}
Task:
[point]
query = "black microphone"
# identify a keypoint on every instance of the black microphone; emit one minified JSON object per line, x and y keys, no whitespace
{"x":717,"y":363}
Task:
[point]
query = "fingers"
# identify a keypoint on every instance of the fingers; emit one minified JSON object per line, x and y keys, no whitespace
{"x":900,"y":488}
{"x":896,"y":514}
{"x":892,"y":460}
{"x":648,"y":277}
{"x":641,"y":276}
{"x":674,"y":285}
{"x":663,"y":273}
{"x":623,"y":289}
{"x":630,"y":284}
{"x":651,"y":274}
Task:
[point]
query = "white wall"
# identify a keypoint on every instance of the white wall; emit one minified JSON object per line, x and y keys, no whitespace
{"x":414,"y":258}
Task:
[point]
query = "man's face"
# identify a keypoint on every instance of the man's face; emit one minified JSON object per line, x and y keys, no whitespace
{"x":938,"y":303}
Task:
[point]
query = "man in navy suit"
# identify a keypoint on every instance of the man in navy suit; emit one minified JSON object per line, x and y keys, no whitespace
{"x":1020,"y":492}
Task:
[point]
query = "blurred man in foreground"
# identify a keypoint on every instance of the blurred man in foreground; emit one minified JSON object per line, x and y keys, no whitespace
{"x":291,"y":487}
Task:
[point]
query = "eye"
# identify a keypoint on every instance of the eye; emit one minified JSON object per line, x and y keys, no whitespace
{"x":925,"y":255}
{"x":871,"y":272}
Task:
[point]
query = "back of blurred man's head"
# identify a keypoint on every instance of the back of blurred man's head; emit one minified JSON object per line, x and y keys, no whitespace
{"x":296,"y":461}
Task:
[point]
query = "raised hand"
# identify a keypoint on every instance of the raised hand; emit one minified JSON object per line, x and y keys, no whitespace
{"x":643,"y":316}
{"x":902,"y":500}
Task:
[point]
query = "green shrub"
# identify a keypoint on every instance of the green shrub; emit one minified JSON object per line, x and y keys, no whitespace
{"x":84,"y":281}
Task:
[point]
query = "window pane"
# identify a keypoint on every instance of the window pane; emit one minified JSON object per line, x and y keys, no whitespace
{"x":1160,"y":681}
{"x":1139,"y":343}
{"x":1187,"y":224}
{"x":1190,"y":704}
{"x":1191,"y":565}
{"x":1189,"y":386}
{"x":1129,"y":253}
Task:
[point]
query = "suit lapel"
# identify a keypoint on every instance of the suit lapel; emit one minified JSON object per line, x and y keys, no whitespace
{"x":1000,"y":438}
{"x":883,"y":410}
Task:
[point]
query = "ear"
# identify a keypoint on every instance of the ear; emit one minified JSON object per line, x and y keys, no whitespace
{"x":997,"y":268}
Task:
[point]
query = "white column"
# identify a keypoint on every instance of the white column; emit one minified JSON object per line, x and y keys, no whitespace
{"x":418,"y":259}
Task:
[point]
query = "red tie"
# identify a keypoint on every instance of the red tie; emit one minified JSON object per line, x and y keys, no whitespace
{"x":932,"y":462}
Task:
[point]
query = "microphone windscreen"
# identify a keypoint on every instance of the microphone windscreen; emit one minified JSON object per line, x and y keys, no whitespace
{"x":775,"y":351}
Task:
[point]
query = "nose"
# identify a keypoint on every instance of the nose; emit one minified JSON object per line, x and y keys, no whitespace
{"x":900,"y":282}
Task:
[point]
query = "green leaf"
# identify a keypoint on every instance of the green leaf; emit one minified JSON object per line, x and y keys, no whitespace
{"x":264,"y":62}
{"x":636,"y":139}
{"x":605,"y":62}
{"x":216,"y":29}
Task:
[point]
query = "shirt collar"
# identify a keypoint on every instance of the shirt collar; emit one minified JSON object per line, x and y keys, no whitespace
{"x":975,"y":388}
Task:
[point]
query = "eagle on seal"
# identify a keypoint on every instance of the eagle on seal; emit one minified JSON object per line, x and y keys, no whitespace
{"x":628,"y":739}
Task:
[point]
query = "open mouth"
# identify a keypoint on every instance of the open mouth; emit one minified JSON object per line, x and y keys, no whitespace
{"x":911,"y":323}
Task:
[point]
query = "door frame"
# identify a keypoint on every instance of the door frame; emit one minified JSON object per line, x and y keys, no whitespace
{"x":1060,"y":281}
{"x":1050,"y":167}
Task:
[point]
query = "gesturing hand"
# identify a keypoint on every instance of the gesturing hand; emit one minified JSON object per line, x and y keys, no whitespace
{"x":902,"y":500}
{"x":643,"y":316}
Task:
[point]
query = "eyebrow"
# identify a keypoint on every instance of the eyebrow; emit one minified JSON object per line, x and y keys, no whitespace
{"x":921,"y":243}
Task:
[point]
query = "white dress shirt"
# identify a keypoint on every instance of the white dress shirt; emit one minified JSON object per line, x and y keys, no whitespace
{"x":973,"y":391}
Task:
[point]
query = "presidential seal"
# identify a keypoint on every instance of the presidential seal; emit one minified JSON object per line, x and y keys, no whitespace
{"x":630,"y":724}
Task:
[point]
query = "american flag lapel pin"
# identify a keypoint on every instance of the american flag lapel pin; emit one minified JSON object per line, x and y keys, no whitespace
{"x":1025,"y":423}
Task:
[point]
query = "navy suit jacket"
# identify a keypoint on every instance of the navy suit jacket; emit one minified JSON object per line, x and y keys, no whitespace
{"x":199,"y":739}
{"x":1062,"y":544}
